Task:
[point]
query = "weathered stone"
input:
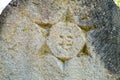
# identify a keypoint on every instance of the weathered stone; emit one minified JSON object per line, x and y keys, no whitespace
{"x":82,"y":11}
{"x":65,"y":40}
{"x":106,"y":37}
{"x":36,"y":35}
{"x":46,"y":11}
{"x":49,"y":67}
{"x":13,"y":65}
{"x":84,"y":68}
{"x":24,"y":35}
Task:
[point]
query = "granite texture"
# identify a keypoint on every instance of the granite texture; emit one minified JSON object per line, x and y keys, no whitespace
{"x":60,"y":40}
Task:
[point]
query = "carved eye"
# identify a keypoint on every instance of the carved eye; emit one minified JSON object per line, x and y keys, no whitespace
{"x":117,"y":2}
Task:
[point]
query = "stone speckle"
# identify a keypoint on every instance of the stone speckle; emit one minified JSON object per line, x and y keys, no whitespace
{"x":46,"y":40}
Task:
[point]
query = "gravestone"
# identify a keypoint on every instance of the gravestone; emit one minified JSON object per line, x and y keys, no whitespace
{"x":60,"y":40}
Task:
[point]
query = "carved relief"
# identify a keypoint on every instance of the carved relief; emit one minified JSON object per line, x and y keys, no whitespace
{"x":54,"y":35}
{"x":65,"y":40}
{"x":46,"y":11}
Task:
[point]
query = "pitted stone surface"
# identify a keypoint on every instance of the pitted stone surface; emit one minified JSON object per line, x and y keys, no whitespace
{"x":41,"y":39}
{"x":49,"y":67}
{"x":65,"y":40}
{"x":24,"y":35}
{"x":84,"y":68}
{"x":13,"y":65}
{"x":82,"y":12}
{"x":46,"y":11}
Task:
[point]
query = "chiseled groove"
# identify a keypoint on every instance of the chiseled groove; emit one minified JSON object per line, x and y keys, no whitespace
{"x":43,"y":25}
{"x":84,"y":52}
{"x":87,"y":28}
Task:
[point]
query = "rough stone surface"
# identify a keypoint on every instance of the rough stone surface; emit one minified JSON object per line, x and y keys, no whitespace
{"x":13,"y":65}
{"x":23,"y":33}
{"x":84,"y":68}
{"x":66,"y":40}
{"x":45,"y":11}
{"x":49,"y":68}
{"x":60,"y":40}
{"x":82,"y":11}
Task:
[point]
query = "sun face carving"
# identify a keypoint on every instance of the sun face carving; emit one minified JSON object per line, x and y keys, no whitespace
{"x":65,"y":40}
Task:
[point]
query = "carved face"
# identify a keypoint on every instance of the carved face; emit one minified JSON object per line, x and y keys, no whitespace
{"x":65,"y":40}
